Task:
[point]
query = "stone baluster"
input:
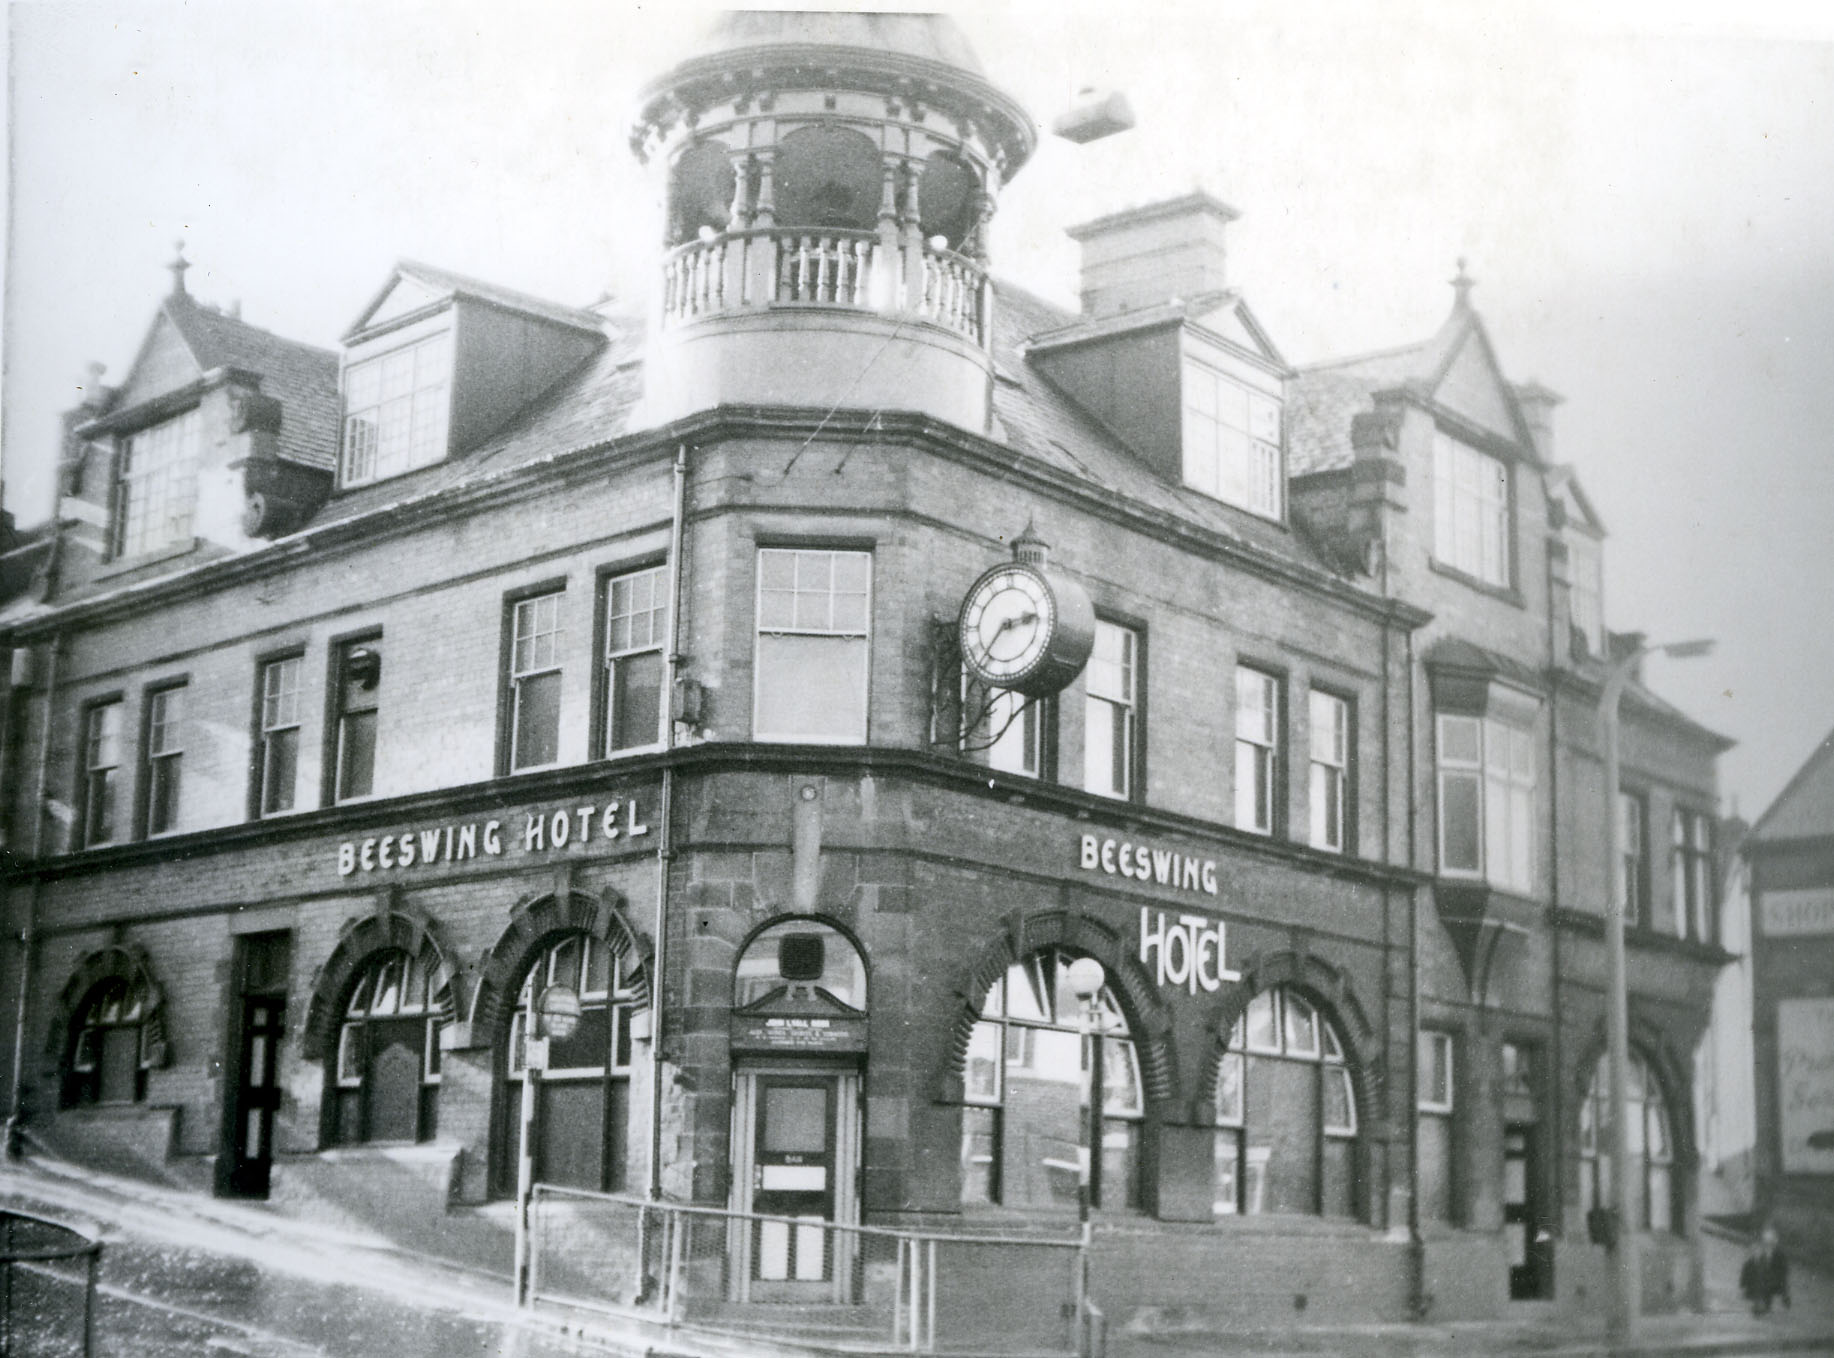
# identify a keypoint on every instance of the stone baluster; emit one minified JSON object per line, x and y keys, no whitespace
{"x":761,"y":249}
{"x":887,"y":285}
{"x":911,"y":238}
{"x":733,"y":292}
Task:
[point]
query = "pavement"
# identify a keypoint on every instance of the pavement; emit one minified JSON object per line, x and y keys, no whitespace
{"x":188,"y":1275}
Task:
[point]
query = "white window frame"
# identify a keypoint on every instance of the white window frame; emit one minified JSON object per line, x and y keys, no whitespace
{"x":281,"y":678}
{"x":165,"y":752}
{"x":629,"y":633}
{"x":1472,"y":495}
{"x":1231,"y":441}
{"x":1505,"y":800}
{"x":1328,"y":781}
{"x":534,"y":653}
{"x":157,"y":485}
{"x":1586,"y":566}
{"x":421,"y":411}
{"x":102,"y":772}
{"x":1444,"y":1049}
{"x":861,"y":634}
{"x":1009,"y":735}
{"x":1112,"y":679}
{"x":1258,"y":727}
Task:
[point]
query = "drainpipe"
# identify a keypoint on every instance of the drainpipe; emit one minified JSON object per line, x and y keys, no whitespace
{"x":1419,"y":1302}
{"x":28,"y":937}
{"x":665,"y":839}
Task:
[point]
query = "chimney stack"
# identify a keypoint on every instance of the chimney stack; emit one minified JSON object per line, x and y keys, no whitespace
{"x":1145,"y":256}
{"x":1537,"y":405}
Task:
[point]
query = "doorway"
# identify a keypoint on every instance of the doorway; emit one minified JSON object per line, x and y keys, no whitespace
{"x":258,"y":1015}
{"x":796,"y":1143}
{"x":1530,"y":1246}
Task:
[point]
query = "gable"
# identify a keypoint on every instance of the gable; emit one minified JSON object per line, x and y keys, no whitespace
{"x":1234,"y":324}
{"x":404,"y":296}
{"x":1805,"y":808}
{"x":165,"y":363}
{"x":1472,"y":387}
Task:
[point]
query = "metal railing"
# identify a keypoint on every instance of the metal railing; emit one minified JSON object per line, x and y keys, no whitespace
{"x":844,"y":1286}
{"x":736,"y":271}
{"x":36,"y":1316}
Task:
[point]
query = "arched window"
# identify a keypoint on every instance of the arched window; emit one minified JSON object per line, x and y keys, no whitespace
{"x":700,"y":191}
{"x":1285,"y":1113}
{"x":1022,"y":1128}
{"x":583,"y":1109}
{"x":828,"y":177}
{"x":946,"y":198}
{"x":1652,"y":1147}
{"x":109,"y":1053}
{"x":387,"y":1071}
{"x":800,"y":952}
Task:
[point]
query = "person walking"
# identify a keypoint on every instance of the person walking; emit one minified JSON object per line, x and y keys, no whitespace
{"x":1765,"y":1275}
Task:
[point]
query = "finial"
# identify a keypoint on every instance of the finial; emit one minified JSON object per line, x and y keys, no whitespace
{"x":1462,"y":285}
{"x":178,"y":266}
{"x":1029,"y":547}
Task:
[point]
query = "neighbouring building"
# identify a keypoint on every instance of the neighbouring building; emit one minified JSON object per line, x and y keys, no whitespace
{"x":1789,"y":870}
{"x":790,"y":684}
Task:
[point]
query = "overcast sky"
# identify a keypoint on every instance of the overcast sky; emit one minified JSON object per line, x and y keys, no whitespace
{"x":1645,"y":194}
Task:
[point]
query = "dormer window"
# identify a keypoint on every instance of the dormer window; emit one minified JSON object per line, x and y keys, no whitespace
{"x":158,"y":485}
{"x":1471,"y":511}
{"x":397,"y":409}
{"x":1232,"y":441}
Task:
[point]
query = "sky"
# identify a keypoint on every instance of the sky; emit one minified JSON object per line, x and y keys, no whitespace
{"x":1644,"y":193}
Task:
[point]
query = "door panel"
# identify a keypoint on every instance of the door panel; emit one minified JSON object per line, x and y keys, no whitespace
{"x":1529,"y":1246}
{"x":257,"y":1096}
{"x":796,"y":1141}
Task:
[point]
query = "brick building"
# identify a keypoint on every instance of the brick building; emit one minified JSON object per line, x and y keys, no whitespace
{"x":1788,"y":859}
{"x":514,"y":650}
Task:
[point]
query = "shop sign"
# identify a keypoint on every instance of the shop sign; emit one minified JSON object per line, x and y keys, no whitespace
{"x":1805,"y":1084}
{"x":1143,"y":863}
{"x":1790,"y":914}
{"x":1184,"y":950}
{"x":540,"y":831}
{"x":808,"y":1036}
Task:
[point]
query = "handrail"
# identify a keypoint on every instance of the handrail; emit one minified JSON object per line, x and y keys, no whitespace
{"x":81,"y":1247}
{"x":888,"y":1232}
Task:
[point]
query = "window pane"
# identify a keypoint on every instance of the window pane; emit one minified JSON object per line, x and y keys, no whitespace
{"x":537,"y":721}
{"x":1301,"y":1025}
{"x":162,"y":798}
{"x":1229,"y":1088}
{"x":979,"y":1144}
{"x":1459,"y":841}
{"x":982,"y":1068}
{"x":1228,"y":1171}
{"x":357,"y":754}
{"x":635,"y":718}
{"x":1263,"y":1034}
{"x":280,"y":769}
{"x":811,"y":688}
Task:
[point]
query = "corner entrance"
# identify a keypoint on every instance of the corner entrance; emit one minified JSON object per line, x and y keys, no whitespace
{"x":258,"y":1022}
{"x":797,"y":1158}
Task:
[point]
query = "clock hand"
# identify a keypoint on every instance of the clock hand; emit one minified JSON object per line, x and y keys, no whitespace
{"x":1014,"y":622}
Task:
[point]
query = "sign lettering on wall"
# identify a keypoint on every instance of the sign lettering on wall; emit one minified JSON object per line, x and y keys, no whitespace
{"x":540,"y":831}
{"x":1185,"y":950}
{"x":1143,"y":863}
{"x":1805,"y":1085}
{"x":1789,"y":914}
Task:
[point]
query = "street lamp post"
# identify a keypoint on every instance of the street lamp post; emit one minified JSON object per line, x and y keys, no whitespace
{"x":1625,"y":1290}
{"x":1086,"y":980}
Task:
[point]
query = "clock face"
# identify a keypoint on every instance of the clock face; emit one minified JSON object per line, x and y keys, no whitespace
{"x":1006,"y":624}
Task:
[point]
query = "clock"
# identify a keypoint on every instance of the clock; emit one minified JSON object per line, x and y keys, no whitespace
{"x":1026,"y":628}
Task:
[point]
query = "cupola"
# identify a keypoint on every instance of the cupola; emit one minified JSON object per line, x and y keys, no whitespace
{"x":830,"y":177}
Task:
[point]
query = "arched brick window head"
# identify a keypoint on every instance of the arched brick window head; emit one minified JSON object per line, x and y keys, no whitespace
{"x":109,"y":1052}
{"x":387,"y":1068}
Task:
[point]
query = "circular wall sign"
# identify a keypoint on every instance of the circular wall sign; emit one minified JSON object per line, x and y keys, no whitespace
{"x":557,"y":1012}
{"x":1026,"y":628}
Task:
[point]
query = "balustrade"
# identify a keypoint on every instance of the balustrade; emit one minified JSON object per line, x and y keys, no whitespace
{"x":782,"y":266}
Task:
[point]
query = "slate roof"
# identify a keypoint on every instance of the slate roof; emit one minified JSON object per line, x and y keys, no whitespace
{"x":1805,"y":807}
{"x":595,"y":403}
{"x":1322,"y":399}
{"x":584,"y":408}
{"x":302,"y":377}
